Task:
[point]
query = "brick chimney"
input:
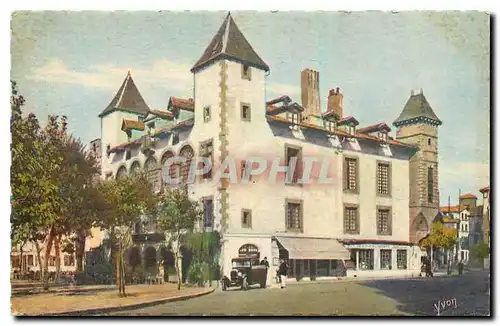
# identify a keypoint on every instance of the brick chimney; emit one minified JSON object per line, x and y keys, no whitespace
{"x":336,"y":102}
{"x":309,"y":82}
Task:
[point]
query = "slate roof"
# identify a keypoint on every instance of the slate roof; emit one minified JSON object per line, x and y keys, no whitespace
{"x":127,"y":98}
{"x":230,"y":43}
{"x":417,"y":107}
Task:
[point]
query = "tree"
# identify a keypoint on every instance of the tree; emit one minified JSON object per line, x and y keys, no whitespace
{"x":121,"y":203}
{"x":441,"y":237}
{"x":34,"y":197}
{"x":480,"y":251}
{"x":177,"y":215}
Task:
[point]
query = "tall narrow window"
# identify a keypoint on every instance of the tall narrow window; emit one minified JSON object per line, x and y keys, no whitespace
{"x":351,"y":221}
{"x":208,"y":213}
{"x":294,"y":215}
{"x":206,"y":113}
{"x":385,"y":259}
{"x":430,"y":185}
{"x":294,"y":172}
{"x":384,"y":221}
{"x":245,"y":171}
{"x":246,"y":218}
{"x":383,"y":170}
{"x":206,"y":150}
{"x":350,"y":174}
{"x":402,"y":259}
{"x":245,"y":112}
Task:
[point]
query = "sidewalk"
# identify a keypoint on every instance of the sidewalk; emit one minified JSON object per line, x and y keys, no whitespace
{"x":94,"y":300}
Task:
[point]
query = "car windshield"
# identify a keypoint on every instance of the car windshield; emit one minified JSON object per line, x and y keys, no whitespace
{"x":241,"y":263}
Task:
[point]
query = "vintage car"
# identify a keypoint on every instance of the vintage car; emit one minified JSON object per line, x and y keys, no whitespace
{"x":245,"y":272}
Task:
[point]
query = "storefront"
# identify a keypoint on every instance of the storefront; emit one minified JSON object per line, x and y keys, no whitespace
{"x":309,"y":258}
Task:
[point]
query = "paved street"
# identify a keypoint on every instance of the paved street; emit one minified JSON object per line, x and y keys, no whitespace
{"x":377,"y":297}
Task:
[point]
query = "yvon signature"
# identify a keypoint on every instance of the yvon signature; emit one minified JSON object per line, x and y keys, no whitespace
{"x":441,"y":305}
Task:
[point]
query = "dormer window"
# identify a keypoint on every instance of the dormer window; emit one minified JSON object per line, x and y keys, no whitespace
{"x":141,"y":119}
{"x":330,"y":125}
{"x":246,"y":72}
{"x":351,"y":129}
{"x":382,"y":135}
{"x":151,"y":125}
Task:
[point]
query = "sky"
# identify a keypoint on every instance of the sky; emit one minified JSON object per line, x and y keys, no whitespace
{"x":72,"y":63}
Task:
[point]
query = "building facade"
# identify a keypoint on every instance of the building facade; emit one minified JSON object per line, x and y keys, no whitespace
{"x":274,"y":202}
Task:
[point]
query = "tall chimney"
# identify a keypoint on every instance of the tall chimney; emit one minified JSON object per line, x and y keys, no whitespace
{"x":310,"y":92}
{"x":336,"y":102}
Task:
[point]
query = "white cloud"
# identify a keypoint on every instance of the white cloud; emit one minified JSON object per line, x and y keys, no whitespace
{"x":162,"y":73}
{"x":284,"y":89}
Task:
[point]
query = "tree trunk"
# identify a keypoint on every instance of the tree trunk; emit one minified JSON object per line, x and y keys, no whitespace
{"x":48,"y":249}
{"x":177,"y":271}
{"x":122,"y":270}
{"x":21,"y":266}
{"x":57,"y":247}
{"x":118,"y":277}
{"x":80,"y":250}
{"x":39,"y":258}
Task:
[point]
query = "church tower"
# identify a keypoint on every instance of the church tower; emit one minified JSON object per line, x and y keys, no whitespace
{"x":418,"y":125}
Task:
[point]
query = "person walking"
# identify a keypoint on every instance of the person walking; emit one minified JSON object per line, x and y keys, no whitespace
{"x":283,"y":272}
{"x":460,"y":268}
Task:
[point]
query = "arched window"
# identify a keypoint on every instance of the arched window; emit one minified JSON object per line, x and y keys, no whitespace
{"x":248,"y":250}
{"x":188,"y":153}
{"x":429,"y":141}
{"x":135,"y":168}
{"x":122,"y":171}
{"x":152,"y":172}
{"x":167,"y":171}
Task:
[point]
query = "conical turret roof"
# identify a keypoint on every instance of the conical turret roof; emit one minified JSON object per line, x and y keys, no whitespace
{"x":127,"y":98}
{"x":230,"y":43}
{"x":417,"y":107}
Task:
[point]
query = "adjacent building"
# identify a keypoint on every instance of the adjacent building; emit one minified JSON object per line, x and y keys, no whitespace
{"x":380,"y":201}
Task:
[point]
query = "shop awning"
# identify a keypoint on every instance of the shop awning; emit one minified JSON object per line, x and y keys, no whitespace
{"x":313,"y":248}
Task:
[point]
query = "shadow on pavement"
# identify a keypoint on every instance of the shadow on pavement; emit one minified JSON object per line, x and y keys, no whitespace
{"x":425,"y":296}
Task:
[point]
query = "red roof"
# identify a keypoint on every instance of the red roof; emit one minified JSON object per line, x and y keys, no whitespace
{"x":132,"y":124}
{"x":180,"y":103}
{"x":375,"y":127}
{"x":485,"y":189}
{"x":468,"y":196}
{"x":451,"y":209}
{"x":163,"y":114}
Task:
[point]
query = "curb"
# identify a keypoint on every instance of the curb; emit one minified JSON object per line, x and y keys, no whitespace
{"x":64,"y":290}
{"x":358,"y":280}
{"x":95,"y":311}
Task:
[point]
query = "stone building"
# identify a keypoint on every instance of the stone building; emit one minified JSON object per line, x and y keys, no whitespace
{"x":418,"y":124}
{"x":382,"y":192}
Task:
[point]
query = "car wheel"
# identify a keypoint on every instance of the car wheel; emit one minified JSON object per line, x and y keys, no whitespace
{"x":244,"y":284}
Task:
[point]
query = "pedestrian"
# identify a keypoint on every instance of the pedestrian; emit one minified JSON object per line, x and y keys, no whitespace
{"x":460,"y":268}
{"x":283,"y":272}
{"x":265,"y":262}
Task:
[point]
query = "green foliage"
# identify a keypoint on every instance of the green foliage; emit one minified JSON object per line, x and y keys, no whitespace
{"x":177,"y":215}
{"x":480,"y":250}
{"x":440,"y":237}
{"x":198,"y":272}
